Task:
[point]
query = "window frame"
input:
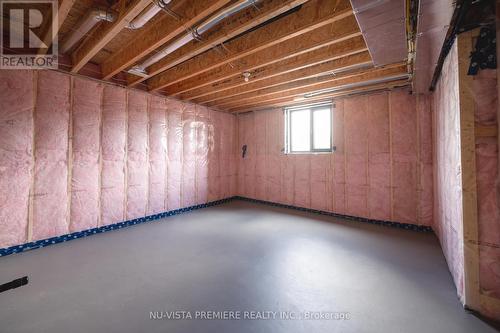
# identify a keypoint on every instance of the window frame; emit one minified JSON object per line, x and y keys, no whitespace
{"x":288,"y":130}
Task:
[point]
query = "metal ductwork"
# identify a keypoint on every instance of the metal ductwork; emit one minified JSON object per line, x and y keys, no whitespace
{"x":140,"y":70}
{"x":97,"y":15}
{"x":140,"y":20}
{"x":93,"y":17}
{"x":433,"y":21}
{"x":382,"y":23}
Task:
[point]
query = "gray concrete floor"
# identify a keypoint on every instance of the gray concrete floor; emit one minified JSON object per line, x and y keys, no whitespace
{"x":237,"y":257}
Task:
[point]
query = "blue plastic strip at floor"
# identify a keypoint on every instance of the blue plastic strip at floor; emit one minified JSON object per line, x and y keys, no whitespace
{"x":79,"y":234}
{"x":407,"y":226}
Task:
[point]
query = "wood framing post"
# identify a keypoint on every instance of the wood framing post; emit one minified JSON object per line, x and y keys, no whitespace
{"x":471,"y":297}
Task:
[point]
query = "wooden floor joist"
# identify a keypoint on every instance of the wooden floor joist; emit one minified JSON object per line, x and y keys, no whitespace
{"x":105,"y":33}
{"x":62,"y":12}
{"x":336,"y":32}
{"x":302,"y":83}
{"x":245,"y":20}
{"x":325,"y":54}
{"x":291,"y":101}
{"x":158,"y":33}
{"x":290,"y":90}
{"x":342,"y":63}
{"x":313,"y":14}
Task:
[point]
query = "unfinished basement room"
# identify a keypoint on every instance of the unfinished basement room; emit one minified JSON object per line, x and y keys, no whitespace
{"x":244,"y":166}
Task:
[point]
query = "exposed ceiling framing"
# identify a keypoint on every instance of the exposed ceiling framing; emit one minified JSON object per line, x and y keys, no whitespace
{"x":257,"y":53}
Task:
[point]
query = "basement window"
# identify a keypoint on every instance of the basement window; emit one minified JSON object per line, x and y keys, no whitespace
{"x":308,"y":129}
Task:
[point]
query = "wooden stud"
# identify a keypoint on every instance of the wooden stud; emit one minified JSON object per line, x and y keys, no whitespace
{"x":469,"y":184}
{"x":391,"y":157}
{"x":486,"y":131}
{"x":33,"y":160}
{"x":69,"y":153}
{"x":100,"y":161}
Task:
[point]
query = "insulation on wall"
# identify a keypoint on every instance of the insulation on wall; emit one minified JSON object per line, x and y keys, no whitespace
{"x":16,"y":154}
{"x":137,"y":155}
{"x":76,"y":154}
{"x":85,"y":151}
{"x":447,"y":168}
{"x":50,"y":188}
{"x":157,"y":155}
{"x":377,"y":170}
{"x":113,"y":155}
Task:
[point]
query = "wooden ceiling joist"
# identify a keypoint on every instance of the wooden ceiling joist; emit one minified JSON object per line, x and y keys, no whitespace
{"x":105,"y":33}
{"x":336,"y":32}
{"x":281,"y":73}
{"x":300,"y":88}
{"x":158,"y":33}
{"x":62,"y":12}
{"x":313,"y":14}
{"x":241,"y":22}
{"x":295,"y":102}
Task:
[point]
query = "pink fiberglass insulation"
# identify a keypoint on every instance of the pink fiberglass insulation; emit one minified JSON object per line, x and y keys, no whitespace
{"x":379,"y":157}
{"x":137,"y":155}
{"x":320,"y":185}
{"x":215,"y":131}
{"x":447,"y":168}
{"x":356,"y":178}
{"x":174,"y":152}
{"x":260,"y":154}
{"x":189,"y":156}
{"x":302,"y":181}
{"x":338,"y":164}
{"x":16,"y":149}
{"x":356,"y":154}
{"x":50,"y":191}
{"x":86,"y":122}
{"x":203,"y":136}
{"x":222,"y":140}
{"x":425,"y":167}
{"x":94,"y":154}
{"x":404,"y":151}
{"x":113,"y":147}
{"x":157,"y":155}
{"x":484,"y":89}
{"x":274,"y":145}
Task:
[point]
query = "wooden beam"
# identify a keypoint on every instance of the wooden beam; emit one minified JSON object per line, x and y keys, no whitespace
{"x":470,"y":233}
{"x":341,"y":63}
{"x":311,"y":15}
{"x":330,"y":34}
{"x":105,"y":33}
{"x":328,"y":53}
{"x":62,"y":12}
{"x":288,"y":87}
{"x":230,"y":28}
{"x":286,"y":102}
{"x":486,"y":131}
{"x":309,"y":86}
{"x":160,"y":32}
